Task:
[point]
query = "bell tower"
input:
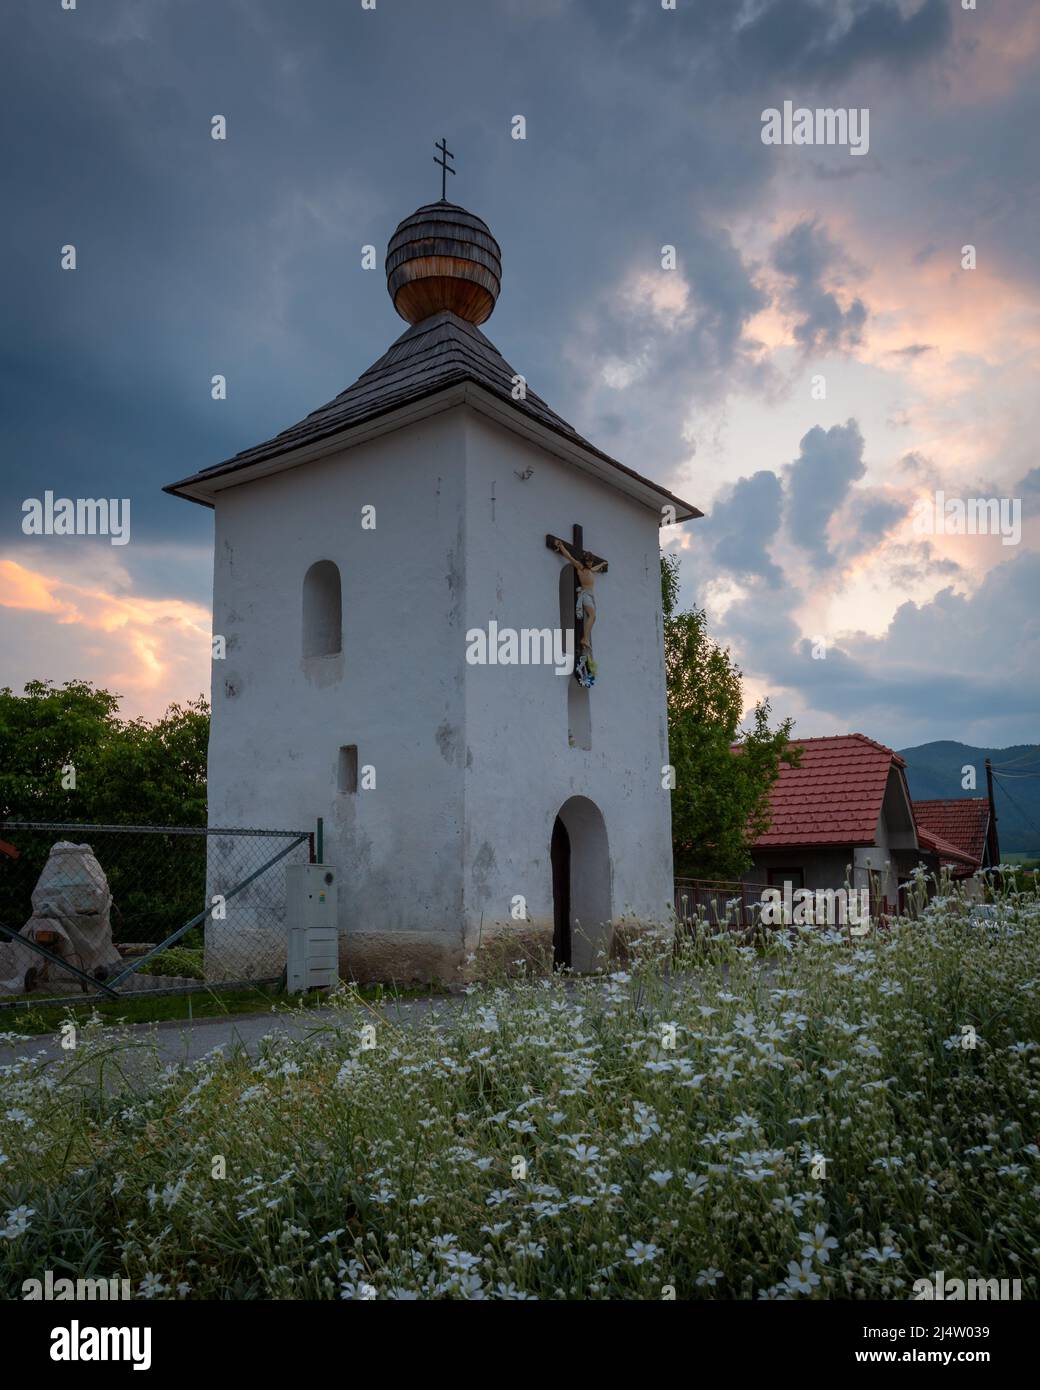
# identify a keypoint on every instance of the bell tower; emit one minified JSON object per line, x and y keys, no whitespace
{"x":429,"y":512}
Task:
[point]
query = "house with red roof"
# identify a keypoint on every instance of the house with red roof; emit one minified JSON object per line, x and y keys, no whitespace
{"x":968,"y":824}
{"x":844,"y":816}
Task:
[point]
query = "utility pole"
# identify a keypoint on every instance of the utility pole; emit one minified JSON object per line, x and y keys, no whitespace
{"x":991,"y":838}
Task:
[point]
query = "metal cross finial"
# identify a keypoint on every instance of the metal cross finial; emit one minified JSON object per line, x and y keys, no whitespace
{"x":446,"y":168}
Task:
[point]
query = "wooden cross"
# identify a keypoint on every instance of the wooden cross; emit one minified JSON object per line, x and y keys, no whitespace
{"x":577,"y":549}
{"x":446,"y":168}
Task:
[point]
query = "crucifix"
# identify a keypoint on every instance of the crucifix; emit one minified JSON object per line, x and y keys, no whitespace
{"x":446,"y":168}
{"x":586,"y":567}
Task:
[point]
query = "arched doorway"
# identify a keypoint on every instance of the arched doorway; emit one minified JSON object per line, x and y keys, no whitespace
{"x":580,"y":858}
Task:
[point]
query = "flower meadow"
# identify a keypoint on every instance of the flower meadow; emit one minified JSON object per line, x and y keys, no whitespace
{"x":815,"y":1118}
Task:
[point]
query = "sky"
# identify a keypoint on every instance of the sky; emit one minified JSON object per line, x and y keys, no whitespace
{"x":822,"y":359}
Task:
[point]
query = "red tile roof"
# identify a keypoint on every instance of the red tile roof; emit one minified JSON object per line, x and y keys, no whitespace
{"x":948,"y":853}
{"x":835,"y":797}
{"x":963,"y":821}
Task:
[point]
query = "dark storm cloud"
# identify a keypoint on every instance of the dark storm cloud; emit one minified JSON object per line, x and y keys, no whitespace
{"x":804,"y":501}
{"x":198,"y":257}
{"x":741,"y":526}
{"x":737,"y":45}
{"x":874,"y":517}
{"x":681,"y":360}
{"x":805,"y":255}
{"x":242,"y":258}
{"x":805,"y":40}
{"x":818,"y":483}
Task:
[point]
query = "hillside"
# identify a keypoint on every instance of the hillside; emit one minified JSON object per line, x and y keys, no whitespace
{"x":934,"y":770}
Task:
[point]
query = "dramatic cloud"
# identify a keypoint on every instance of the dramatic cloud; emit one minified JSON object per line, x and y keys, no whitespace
{"x":804,"y":256}
{"x":806,"y":39}
{"x":818,"y":482}
{"x":874,"y":516}
{"x":742,"y":525}
{"x":81,"y":617}
{"x":244,"y":258}
{"x":941,"y":666}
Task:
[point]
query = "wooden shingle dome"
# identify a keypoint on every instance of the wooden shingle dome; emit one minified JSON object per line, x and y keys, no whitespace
{"x":443,"y":257}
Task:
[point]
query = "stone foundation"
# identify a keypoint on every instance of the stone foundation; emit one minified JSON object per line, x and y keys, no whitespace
{"x":403,"y":958}
{"x":501,"y":950}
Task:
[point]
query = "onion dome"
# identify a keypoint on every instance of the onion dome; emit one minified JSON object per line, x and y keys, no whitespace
{"x":443,"y":257}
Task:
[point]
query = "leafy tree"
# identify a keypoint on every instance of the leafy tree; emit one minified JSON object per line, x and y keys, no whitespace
{"x":723,"y":776}
{"x":126,"y":771}
{"x":155,"y":774}
{"x":43,"y":732}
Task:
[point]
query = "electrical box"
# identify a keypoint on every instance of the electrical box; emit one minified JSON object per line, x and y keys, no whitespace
{"x":312,"y":958}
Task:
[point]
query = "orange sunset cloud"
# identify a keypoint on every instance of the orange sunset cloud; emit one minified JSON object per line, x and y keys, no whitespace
{"x":151,"y":650}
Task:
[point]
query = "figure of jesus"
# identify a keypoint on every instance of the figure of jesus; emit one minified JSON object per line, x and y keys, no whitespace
{"x":585,"y":607}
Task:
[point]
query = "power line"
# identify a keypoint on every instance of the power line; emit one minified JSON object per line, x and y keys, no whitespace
{"x":1018,"y":808}
{"x":1033,"y":752}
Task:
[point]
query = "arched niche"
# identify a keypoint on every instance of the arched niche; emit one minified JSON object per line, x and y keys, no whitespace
{"x":322,"y":610}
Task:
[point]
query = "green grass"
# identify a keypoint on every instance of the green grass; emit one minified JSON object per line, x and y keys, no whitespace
{"x":189,"y":962}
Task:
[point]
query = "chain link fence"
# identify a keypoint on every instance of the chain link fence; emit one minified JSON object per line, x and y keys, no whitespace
{"x":190,"y":906}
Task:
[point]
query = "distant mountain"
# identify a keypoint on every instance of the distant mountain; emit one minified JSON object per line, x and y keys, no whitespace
{"x":934,"y":770}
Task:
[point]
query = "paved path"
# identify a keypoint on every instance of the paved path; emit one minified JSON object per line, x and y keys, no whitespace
{"x":181,"y":1040}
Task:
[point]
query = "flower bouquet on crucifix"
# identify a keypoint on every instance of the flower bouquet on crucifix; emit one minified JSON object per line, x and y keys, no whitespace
{"x":585,"y":669}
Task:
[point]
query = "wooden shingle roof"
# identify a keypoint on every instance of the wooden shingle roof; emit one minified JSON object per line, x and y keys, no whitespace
{"x":429,"y":357}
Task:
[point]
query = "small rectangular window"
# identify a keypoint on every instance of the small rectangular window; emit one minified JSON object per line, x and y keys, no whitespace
{"x":347,"y":776}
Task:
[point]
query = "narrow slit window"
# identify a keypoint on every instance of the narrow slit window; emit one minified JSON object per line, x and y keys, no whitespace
{"x":346,"y":778}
